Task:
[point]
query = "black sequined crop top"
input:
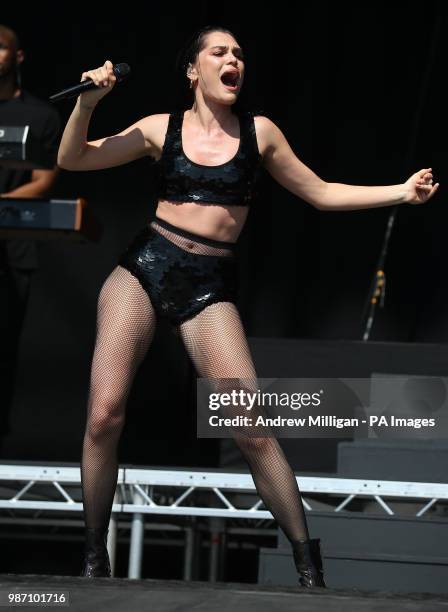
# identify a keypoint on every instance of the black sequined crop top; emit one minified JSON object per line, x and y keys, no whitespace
{"x":234,"y":182}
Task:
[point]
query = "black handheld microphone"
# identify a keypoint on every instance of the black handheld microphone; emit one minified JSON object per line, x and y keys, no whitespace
{"x":121,"y":71}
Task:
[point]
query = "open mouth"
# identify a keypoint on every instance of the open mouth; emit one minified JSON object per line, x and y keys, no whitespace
{"x":230,"y":80}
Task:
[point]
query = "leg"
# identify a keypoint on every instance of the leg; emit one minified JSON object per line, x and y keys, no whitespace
{"x":216,"y":342}
{"x":125,"y":327}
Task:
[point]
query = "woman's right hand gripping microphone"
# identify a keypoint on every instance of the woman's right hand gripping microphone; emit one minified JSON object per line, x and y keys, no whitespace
{"x":104,"y":79}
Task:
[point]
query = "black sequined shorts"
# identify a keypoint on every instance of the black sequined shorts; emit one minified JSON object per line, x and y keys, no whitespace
{"x":179,"y":278}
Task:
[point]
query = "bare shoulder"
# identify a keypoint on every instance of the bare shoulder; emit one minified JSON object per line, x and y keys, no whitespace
{"x":154,"y":128}
{"x":267,"y":134}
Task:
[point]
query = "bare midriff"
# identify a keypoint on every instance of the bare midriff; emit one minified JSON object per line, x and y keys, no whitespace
{"x":211,"y":220}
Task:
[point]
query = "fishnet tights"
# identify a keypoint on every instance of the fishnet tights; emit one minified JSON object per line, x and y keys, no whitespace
{"x":125,"y":327}
{"x":190,"y":245}
{"x":216,"y":342}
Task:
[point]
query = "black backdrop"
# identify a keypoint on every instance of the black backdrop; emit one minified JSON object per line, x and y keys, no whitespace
{"x":358,"y":90}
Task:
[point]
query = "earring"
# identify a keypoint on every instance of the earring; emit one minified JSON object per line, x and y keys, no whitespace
{"x":189,"y":72}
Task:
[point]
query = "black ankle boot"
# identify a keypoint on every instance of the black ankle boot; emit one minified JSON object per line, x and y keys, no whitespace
{"x":308,"y":561}
{"x":96,"y":557}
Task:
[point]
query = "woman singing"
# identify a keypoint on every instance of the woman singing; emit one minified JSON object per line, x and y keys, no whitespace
{"x":182,"y":267}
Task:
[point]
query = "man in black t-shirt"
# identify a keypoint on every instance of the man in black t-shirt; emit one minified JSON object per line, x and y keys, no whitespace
{"x":18,"y":257}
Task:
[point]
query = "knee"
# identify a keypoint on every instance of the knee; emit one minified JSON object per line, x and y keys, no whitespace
{"x":106,"y":418}
{"x":251,"y":445}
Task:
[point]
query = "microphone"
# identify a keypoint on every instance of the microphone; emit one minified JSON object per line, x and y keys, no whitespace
{"x":121,"y":71}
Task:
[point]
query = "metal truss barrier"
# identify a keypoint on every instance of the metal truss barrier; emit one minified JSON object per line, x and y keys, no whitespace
{"x":182,"y":492}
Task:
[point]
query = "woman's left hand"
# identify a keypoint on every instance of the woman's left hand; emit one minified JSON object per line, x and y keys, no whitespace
{"x":419,"y":187}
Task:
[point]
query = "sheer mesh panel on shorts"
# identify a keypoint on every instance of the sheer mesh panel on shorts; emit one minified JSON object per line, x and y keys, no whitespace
{"x":190,"y":245}
{"x":217,"y":345}
{"x":125,"y":327}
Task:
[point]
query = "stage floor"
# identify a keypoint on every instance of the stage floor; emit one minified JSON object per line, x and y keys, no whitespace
{"x":122,"y":594}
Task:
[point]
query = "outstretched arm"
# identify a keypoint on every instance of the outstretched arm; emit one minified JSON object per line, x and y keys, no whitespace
{"x":416,"y":190}
{"x":285,"y":167}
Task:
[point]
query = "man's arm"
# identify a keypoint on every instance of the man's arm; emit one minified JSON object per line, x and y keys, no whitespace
{"x":40,"y":185}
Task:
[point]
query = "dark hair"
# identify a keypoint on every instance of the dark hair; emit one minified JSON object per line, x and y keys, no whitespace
{"x":194,"y":46}
{"x":189,"y":53}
